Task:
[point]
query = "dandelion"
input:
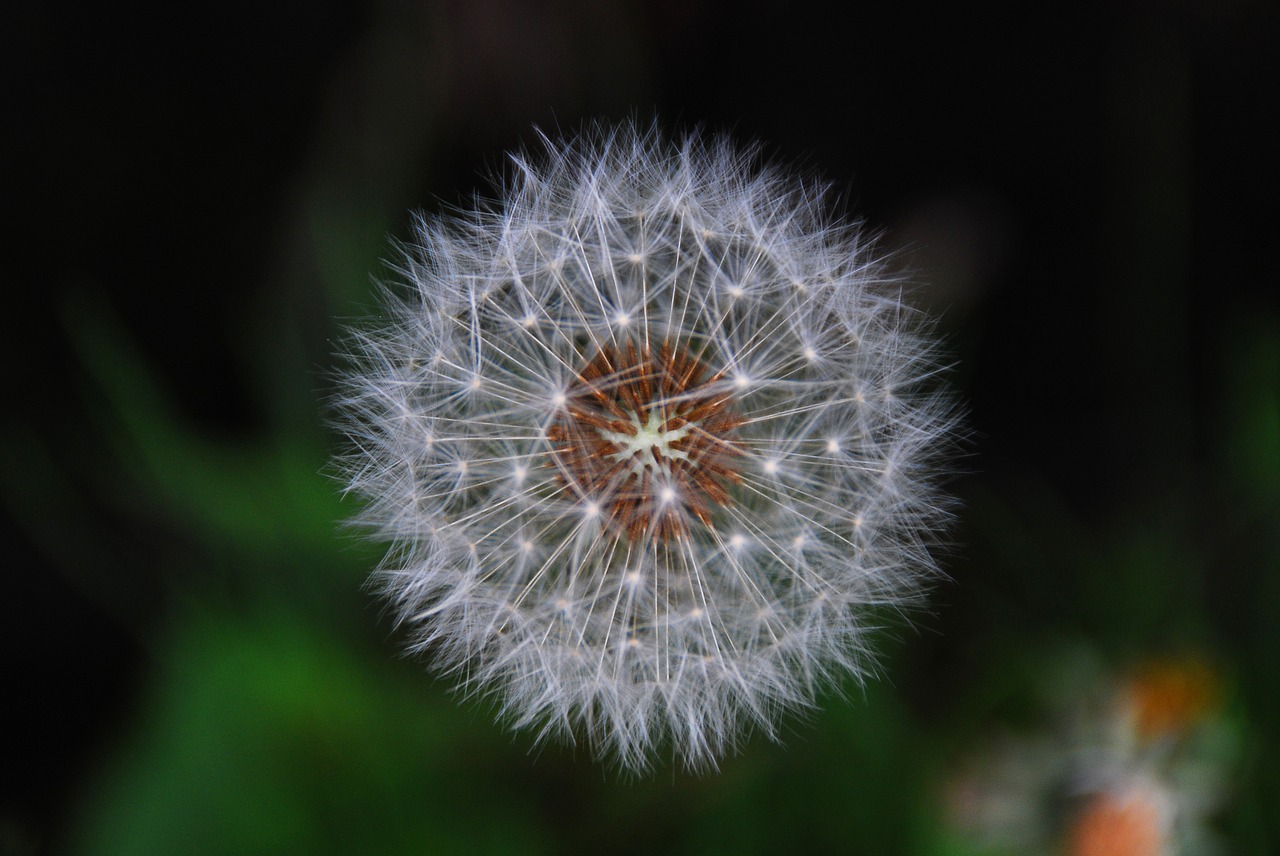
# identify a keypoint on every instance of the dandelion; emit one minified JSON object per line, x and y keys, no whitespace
{"x":649,"y":436}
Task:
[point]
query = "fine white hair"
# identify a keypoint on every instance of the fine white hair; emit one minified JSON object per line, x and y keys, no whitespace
{"x":509,"y":568}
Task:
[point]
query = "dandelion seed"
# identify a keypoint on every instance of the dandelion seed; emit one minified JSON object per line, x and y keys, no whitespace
{"x":611,"y":478}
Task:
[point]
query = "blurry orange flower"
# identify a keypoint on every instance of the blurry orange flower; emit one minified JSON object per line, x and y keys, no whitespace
{"x":1117,"y":825}
{"x":1166,"y":697}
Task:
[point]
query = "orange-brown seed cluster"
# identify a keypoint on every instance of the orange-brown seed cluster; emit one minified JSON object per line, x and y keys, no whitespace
{"x":649,"y":490}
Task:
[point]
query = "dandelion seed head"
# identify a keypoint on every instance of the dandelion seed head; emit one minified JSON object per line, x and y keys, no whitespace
{"x":614,"y":428}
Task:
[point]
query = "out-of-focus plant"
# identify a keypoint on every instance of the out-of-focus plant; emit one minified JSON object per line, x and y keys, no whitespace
{"x":1124,"y":763}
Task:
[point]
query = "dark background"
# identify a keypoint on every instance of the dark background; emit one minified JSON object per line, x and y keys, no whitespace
{"x":1085,"y":193}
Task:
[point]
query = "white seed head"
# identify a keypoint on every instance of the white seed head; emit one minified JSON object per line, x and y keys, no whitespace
{"x":619,"y":482}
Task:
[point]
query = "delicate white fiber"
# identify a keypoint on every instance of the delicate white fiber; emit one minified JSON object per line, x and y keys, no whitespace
{"x":705,"y":560}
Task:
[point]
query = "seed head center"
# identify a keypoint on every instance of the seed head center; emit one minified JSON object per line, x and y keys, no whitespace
{"x":645,"y":445}
{"x":647,"y":436}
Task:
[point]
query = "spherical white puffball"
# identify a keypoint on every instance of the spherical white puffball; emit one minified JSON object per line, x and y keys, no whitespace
{"x":648,"y":434}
